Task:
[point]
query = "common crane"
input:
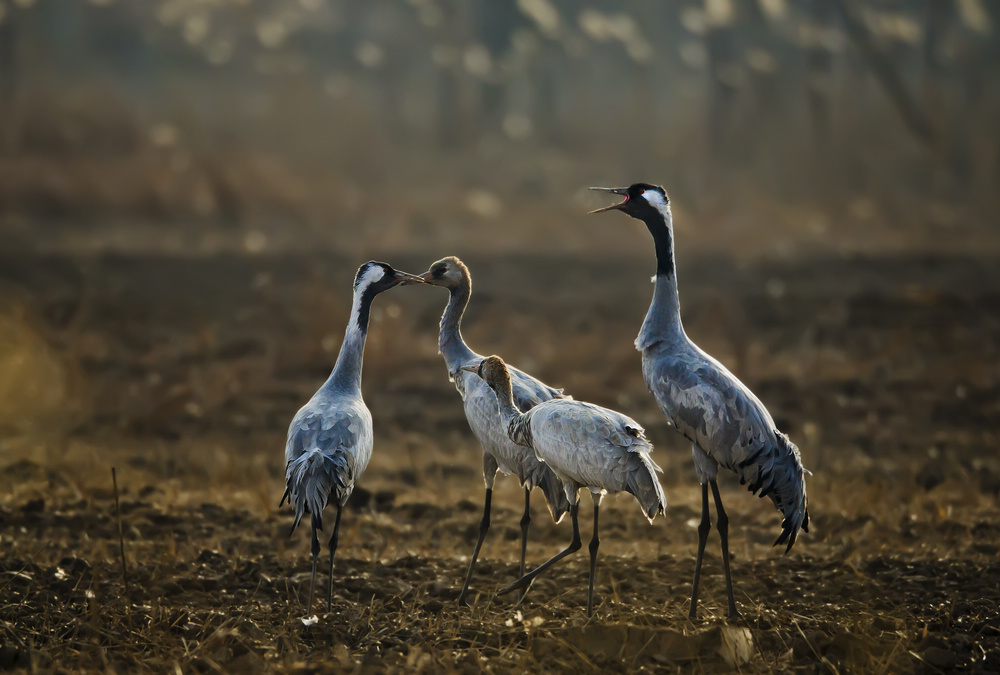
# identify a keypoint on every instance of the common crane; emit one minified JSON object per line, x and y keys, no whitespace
{"x":330,"y":438}
{"x":499,"y":452}
{"x":726,"y":424}
{"x":587,"y":446}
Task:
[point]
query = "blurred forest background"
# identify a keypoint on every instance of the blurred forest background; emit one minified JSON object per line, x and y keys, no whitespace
{"x":778,"y":126}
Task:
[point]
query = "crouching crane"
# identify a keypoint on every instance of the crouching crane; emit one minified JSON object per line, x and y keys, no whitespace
{"x":586,"y":446}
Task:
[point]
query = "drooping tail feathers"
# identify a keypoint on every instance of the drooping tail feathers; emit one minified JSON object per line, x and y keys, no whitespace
{"x":776,"y":471}
{"x":311,"y":479}
{"x":555,"y":495}
{"x":641,"y":481}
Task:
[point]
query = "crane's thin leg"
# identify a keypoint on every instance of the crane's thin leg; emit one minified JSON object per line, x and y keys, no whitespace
{"x":594,"y":544}
{"x":574,"y":546}
{"x":722,"y":523}
{"x":334,"y":540}
{"x":525,"y":521}
{"x":703,"y":527}
{"x":312,"y":579}
{"x":484,"y":525}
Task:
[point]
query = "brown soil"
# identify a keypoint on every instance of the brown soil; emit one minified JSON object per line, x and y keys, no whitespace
{"x":183,"y":373}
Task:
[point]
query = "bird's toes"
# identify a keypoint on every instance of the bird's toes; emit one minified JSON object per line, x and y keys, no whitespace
{"x":520,"y":583}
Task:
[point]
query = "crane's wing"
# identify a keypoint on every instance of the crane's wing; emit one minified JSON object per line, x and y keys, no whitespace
{"x":598,"y":448}
{"x":326,"y":452}
{"x":716,"y":411}
{"x":572,"y":424}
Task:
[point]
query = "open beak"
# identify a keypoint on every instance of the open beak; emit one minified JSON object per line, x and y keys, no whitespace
{"x":616,"y":191}
{"x":405,"y":278}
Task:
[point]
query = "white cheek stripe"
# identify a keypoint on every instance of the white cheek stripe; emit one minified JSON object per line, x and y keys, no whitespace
{"x":371,"y":275}
{"x":656,"y":200}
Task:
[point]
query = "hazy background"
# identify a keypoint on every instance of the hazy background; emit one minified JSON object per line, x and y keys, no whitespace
{"x":778,"y":127}
{"x":187,"y":188}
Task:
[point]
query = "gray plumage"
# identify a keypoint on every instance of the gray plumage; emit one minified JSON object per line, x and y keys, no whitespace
{"x":330,"y":438}
{"x":329,"y":446}
{"x":586,"y":446}
{"x":499,"y":451}
{"x":726,"y":424}
{"x":714,"y":410}
{"x":482,"y":410}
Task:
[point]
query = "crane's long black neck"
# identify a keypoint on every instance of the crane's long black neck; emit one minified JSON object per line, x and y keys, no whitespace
{"x":451,"y":344}
{"x":346,"y":375}
{"x":663,"y":320}
{"x":660,"y":225}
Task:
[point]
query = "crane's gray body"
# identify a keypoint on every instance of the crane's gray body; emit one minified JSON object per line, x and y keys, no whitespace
{"x":588,"y":446}
{"x":726,"y":424}
{"x":482,"y":409}
{"x":329,"y":446}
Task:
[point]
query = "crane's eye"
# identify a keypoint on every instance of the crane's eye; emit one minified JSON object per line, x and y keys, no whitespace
{"x":438,"y":272}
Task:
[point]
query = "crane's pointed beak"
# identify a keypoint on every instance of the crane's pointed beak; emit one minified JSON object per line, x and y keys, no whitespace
{"x":470,"y":369}
{"x":613,"y":207}
{"x":405,"y":278}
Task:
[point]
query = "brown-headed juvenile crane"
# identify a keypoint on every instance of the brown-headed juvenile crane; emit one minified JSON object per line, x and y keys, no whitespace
{"x":480,"y":404}
{"x":726,"y":424}
{"x":587,"y":446}
{"x":330,"y":438}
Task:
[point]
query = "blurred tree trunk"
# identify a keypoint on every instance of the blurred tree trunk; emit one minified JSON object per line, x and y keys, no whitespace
{"x":762,"y":66}
{"x":452,"y":114}
{"x":990,"y":54}
{"x":643,"y":123}
{"x":937,"y":17}
{"x":644,"y":100}
{"x":448,"y":107}
{"x":544,"y":93}
{"x":937,"y":27}
{"x":819,"y":70}
{"x":723,"y":71}
{"x":885,"y":72}
{"x":8,"y":83}
{"x":495,"y":23}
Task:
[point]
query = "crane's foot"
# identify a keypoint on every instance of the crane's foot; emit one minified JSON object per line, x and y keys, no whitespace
{"x":523,"y":592}
{"x":463,"y":601}
{"x":523,"y":583}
